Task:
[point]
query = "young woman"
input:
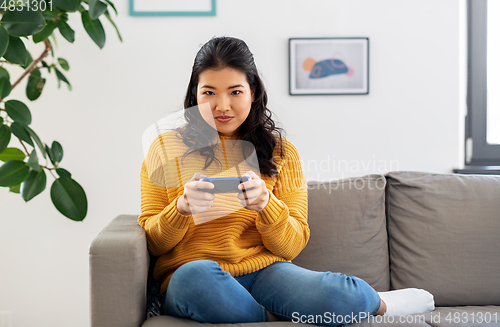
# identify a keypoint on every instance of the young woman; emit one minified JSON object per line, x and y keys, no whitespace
{"x":226,"y":257}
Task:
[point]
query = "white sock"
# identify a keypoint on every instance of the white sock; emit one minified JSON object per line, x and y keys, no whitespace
{"x":407,"y":301}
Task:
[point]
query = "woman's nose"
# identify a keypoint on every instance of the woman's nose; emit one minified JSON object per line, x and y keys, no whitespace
{"x":223,"y":104}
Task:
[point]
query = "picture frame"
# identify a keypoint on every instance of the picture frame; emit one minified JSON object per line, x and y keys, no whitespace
{"x":172,"y":7}
{"x":329,"y":66}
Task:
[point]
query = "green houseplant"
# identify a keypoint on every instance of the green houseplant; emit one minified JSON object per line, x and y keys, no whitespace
{"x":36,"y":21}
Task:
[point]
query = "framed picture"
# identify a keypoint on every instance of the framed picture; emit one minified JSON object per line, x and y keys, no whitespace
{"x":172,"y":7}
{"x":328,"y":66}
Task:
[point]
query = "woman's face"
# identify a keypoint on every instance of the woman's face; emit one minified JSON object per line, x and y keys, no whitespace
{"x":230,"y":98}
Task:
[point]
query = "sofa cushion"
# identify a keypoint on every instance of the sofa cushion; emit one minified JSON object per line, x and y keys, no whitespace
{"x":444,"y":235}
{"x":348,"y":229}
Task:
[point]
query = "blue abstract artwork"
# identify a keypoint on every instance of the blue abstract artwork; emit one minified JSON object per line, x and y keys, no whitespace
{"x":326,"y":68}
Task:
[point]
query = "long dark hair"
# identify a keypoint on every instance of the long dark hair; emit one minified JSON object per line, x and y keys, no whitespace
{"x":259,"y":128}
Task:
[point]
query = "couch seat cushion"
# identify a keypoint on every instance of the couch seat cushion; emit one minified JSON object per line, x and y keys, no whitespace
{"x":444,"y":235}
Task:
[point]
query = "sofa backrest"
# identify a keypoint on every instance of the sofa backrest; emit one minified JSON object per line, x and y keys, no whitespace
{"x":348,"y":229}
{"x":444,"y":235}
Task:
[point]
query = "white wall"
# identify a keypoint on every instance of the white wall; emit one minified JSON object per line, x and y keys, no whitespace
{"x":409,"y":121}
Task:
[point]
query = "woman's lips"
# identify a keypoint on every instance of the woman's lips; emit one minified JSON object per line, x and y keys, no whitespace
{"x":223,"y":119}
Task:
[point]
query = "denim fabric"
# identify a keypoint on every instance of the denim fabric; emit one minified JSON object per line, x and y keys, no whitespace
{"x":202,"y":291}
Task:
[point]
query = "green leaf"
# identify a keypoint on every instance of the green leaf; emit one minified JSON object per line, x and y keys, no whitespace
{"x":67,"y":32}
{"x":18,"y":111}
{"x":16,"y":189}
{"x":5,"y":87}
{"x":112,"y":6}
{"x":36,"y":72}
{"x":33,"y":185}
{"x":64,"y":64}
{"x":66,"y":5}
{"x":16,"y":51}
{"x":49,"y":153}
{"x":22,"y":22}
{"x":61,"y":77}
{"x":29,"y":60}
{"x":5,"y":135}
{"x":33,"y":161}
{"x":57,"y":151}
{"x":94,"y":29}
{"x":63,"y":16}
{"x":96,"y":8}
{"x":45,"y":32}
{"x":50,"y":15}
{"x":4,"y":41}
{"x":4,"y":72}
{"x":63,"y":173}
{"x":116,"y":27}
{"x":20,"y":131}
{"x":13,"y":172}
{"x":69,"y":198}
{"x":35,"y":85}
{"x":44,"y":64}
{"x":37,"y":141}
{"x":12,"y":154}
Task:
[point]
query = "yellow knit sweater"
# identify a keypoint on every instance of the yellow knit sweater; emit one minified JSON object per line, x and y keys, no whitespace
{"x":240,"y":240}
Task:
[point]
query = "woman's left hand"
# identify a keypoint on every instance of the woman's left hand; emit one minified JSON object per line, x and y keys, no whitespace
{"x":255,"y":195}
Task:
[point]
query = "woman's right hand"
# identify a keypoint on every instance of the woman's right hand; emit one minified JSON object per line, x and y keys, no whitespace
{"x":193,"y":200}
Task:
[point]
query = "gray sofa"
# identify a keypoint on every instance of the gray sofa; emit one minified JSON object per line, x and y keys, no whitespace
{"x":440,"y":232}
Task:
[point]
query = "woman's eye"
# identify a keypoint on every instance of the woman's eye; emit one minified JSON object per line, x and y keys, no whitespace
{"x":208,"y":93}
{"x":236,"y":92}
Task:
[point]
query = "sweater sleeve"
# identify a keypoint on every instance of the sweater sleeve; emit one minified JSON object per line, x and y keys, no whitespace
{"x":283,"y":222}
{"x":165,"y":226}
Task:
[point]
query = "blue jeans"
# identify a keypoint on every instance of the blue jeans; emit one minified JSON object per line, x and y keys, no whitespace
{"x":202,"y":291}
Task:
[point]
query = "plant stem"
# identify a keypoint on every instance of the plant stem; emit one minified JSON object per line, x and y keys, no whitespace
{"x":27,"y":153}
{"x":32,"y":66}
{"x":26,"y":150}
{"x":49,"y":169}
{"x":28,"y":70}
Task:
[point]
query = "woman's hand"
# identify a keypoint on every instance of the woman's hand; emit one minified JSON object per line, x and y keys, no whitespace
{"x":193,"y":200}
{"x":255,"y":195}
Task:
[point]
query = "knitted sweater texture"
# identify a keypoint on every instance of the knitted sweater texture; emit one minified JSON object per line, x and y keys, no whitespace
{"x":240,"y":240}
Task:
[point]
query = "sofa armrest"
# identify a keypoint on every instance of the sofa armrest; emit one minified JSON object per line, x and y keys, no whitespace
{"x":119,"y":262}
